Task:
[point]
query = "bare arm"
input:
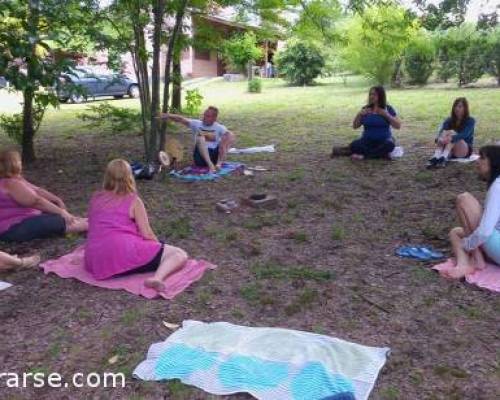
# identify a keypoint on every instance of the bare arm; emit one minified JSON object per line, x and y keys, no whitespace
{"x":357,"y":120}
{"x":50,"y":197}
{"x":140,"y":216}
{"x":28,"y":197}
{"x":175,"y":118}
{"x":394,"y":121}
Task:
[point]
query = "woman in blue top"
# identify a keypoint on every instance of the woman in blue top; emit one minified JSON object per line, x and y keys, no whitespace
{"x":456,"y":135}
{"x":376,"y":118}
{"x":479,"y":233}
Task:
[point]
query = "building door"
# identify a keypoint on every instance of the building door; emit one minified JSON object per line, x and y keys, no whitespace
{"x":221,"y":69}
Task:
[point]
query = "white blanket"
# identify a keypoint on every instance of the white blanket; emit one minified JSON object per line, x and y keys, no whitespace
{"x":472,"y":158}
{"x":268,"y":363}
{"x":253,"y":150}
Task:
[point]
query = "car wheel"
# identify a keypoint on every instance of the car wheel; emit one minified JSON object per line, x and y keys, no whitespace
{"x":118,"y":96}
{"x":65,"y":100}
{"x":77,"y":98}
{"x":133,"y":91}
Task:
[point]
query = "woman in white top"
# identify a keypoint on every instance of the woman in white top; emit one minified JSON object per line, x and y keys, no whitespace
{"x":479,"y":234}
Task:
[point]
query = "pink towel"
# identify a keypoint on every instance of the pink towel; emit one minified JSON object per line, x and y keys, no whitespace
{"x":488,"y":278}
{"x":72,"y":266}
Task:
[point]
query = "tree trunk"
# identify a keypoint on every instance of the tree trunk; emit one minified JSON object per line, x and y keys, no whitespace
{"x":28,"y":130}
{"x":179,"y":16}
{"x":28,"y":148}
{"x":158,"y":13}
{"x":176,"y":82}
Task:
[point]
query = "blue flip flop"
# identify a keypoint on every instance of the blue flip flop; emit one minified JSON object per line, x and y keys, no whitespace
{"x":421,"y":253}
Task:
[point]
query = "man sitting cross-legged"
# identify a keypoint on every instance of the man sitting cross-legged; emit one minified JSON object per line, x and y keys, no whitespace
{"x":212,"y":140}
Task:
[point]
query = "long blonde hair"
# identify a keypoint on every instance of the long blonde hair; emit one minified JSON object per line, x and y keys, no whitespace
{"x":10,"y":163}
{"x":118,"y":178}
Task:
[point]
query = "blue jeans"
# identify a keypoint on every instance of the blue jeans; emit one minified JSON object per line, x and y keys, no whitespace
{"x":42,"y":226}
{"x":372,"y":148}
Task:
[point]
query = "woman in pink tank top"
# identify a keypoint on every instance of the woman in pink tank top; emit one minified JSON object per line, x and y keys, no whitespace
{"x":28,"y":212}
{"x":120,"y":239}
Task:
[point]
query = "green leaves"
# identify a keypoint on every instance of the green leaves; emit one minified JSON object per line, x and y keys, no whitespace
{"x":300,"y":63}
{"x":240,"y":50}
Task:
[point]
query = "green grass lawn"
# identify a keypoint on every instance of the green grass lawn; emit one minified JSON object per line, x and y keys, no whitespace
{"x":322,"y":261}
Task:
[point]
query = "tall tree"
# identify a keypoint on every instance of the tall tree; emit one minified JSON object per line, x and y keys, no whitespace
{"x":376,"y":40}
{"x":445,"y":14}
{"x":34,"y":37}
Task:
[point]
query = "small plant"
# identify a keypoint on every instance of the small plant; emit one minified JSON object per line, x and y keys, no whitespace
{"x":193,"y":102}
{"x":12,"y":124}
{"x":179,"y":228}
{"x":337,"y":233}
{"x":255,"y":85}
{"x":120,"y":119}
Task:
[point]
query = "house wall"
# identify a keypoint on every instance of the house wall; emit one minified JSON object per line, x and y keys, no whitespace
{"x":204,"y":68}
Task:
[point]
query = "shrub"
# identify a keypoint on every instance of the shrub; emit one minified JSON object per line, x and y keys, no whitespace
{"x":462,"y":53}
{"x":241,"y":50}
{"x":419,"y":59}
{"x":120,"y":119}
{"x":12,"y":124}
{"x":193,"y":102}
{"x":255,"y":85}
{"x":300,"y":63}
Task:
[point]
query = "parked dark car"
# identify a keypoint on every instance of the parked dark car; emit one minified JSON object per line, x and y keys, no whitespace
{"x":82,"y":84}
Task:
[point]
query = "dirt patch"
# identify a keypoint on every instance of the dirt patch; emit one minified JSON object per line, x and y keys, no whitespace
{"x":322,"y":261}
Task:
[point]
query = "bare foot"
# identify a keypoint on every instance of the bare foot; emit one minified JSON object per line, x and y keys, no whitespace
{"x":212,"y":169}
{"x":478,"y":259}
{"x":154,"y":284}
{"x":460,"y":271}
{"x":356,"y":157}
{"x":30,"y":262}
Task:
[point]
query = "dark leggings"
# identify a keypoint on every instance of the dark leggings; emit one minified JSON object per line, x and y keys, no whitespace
{"x":151,"y":266}
{"x":372,"y":149}
{"x":42,"y":226}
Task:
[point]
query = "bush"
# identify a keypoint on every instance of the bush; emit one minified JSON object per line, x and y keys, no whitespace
{"x":300,"y":63}
{"x":419,"y":59}
{"x":12,"y":124}
{"x":193,"y":102}
{"x":241,"y":50}
{"x":120,"y":119}
{"x":493,"y":54}
{"x":255,"y":85}
{"x":376,"y":40}
{"x":462,"y":53}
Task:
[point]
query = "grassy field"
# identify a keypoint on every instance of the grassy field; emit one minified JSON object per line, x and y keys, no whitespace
{"x":322,"y":261}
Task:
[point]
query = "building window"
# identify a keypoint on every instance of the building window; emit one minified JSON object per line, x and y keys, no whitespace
{"x":202,"y":54}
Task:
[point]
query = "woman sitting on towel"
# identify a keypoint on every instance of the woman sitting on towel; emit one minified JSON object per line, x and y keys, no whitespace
{"x":8,"y":262}
{"x":479,"y":233}
{"x":120,"y":240}
{"x":377,"y":118}
{"x":28,"y":212}
{"x":456,"y":135}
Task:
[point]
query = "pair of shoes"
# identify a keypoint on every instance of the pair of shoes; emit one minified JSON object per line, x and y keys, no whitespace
{"x":435,"y":162}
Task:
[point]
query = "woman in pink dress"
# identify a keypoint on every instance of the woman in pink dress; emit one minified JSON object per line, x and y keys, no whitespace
{"x":28,"y":212}
{"x":120,"y":240}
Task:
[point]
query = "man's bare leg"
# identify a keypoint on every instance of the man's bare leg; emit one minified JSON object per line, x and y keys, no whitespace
{"x":201,"y":144}
{"x":226,"y":143}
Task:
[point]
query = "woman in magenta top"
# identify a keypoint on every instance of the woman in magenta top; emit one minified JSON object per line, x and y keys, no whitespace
{"x":28,"y":212}
{"x":120,"y":240}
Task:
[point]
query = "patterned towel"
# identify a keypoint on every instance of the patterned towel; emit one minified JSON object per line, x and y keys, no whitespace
{"x":72,"y":266}
{"x":193,"y":174}
{"x":268,"y":363}
{"x":488,"y":278}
